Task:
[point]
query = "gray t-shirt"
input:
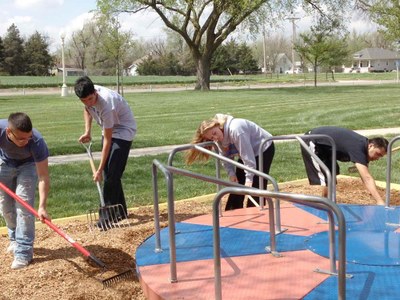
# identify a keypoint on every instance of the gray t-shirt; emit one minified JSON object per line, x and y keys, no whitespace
{"x":35,"y":151}
{"x":112,"y":111}
{"x":246,"y":137}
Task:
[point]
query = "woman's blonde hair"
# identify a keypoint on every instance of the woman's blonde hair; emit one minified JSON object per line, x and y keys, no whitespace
{"x":192,"y":155}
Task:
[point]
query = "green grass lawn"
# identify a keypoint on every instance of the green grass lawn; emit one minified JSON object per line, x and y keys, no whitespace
{"x":166,"y":118}
{"x":146,"y":81}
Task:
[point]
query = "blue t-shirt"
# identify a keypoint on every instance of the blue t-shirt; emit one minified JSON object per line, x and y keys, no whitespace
{"x":35,"y":151}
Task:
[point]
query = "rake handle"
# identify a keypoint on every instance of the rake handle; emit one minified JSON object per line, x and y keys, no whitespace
{"x":77,"y":246}
{"x":396,"y":149}
{"x":94,"y":170}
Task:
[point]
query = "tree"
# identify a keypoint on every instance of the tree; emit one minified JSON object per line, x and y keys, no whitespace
{"x":274,"y":45}
{"x":233,"y":57}
{"x":385,"y":13}
{"x":205,"y":24}
{"x":245,"y":60}
{"x":37,"y":57}
{"x":1,"y":56}
{"x":322,"y":46}
{"x":83,"y":46}
{"x":14,"y":63}
{"x":115,"y":43}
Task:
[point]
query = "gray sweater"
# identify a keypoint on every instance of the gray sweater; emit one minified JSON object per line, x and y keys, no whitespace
{"x":246,"y":137}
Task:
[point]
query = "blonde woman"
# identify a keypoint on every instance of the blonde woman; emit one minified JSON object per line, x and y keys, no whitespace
{"x":235,"y":137}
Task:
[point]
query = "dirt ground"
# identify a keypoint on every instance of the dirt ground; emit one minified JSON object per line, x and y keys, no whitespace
{"x":59,"y":271}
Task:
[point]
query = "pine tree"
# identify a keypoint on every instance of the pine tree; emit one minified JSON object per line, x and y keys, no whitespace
{"x":13,"y":52}
{"x":37,"y":57}
{"x":1,"y":56}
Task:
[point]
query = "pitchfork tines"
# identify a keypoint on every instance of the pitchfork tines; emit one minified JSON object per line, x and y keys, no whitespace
{"x":107,"y":217}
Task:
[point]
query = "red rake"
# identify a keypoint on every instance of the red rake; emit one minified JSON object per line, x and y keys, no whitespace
{"x":89,"y":256}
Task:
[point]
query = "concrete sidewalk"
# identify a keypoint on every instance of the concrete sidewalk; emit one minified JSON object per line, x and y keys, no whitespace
{"x":64,"y":159}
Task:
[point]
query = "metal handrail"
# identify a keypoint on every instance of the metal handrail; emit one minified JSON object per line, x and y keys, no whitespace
{"x":389,"y":169}
{"x":171,"y":215}
{"x":330,"y":176}
{"x":174,"y":151}
{"x":313,"y":201}
{"x":167,"y":171}
{"x":320,"y":203}
{"x":219,"y":158}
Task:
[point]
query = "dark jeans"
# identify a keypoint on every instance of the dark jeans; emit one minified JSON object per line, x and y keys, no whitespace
{"x":113,"y":171}
{"x":236,"y":201}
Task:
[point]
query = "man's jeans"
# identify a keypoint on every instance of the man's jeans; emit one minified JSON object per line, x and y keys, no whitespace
{"x":20,"y":223}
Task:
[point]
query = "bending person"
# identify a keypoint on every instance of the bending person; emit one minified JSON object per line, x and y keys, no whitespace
{"x":350,"y":146}
{"x":235,"y":137}
{"x":23,"y":166}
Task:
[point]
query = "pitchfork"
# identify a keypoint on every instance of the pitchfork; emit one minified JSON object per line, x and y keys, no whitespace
{"x":106,"y":216}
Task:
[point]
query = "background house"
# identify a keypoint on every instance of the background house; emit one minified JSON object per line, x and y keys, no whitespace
{"x":373,"y":60}
{"x":68,"y":72}
{"x":282,"y":63}
{"x":132,"y":69}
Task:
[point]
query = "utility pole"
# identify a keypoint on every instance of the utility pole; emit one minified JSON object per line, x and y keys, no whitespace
{"x":293,"y":20}
{"x":264,"y":52}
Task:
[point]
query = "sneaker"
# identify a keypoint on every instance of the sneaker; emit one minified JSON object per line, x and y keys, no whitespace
{"x":10,"y":249}
{"x":19,"y":263}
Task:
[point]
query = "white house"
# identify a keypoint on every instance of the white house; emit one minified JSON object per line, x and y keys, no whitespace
{"x":132,"y":69}
{"x":282,"y":63}
{"x":373,"y":60}
{"x":68,"y":71}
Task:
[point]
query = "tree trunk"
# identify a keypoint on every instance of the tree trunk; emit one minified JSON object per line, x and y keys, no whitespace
{"x":315,"y":75}
{"x":203,"y":74}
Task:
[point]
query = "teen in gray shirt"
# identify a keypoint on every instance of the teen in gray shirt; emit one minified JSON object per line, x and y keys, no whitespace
{"x":236,"y":137}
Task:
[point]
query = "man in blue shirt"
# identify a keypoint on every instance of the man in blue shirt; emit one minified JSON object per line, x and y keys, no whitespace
{"x":23,"y":164}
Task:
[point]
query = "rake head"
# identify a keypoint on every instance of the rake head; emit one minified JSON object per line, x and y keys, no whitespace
{"x":125,"y":275}
{"x":107,"y":217}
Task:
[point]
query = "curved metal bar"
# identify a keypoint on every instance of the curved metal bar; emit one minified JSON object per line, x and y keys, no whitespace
{"x":202,"y":177}
{"x":235,"y":163}
{"x":322,"y":165}
{"x":331,"y":183}
{"x":171,"y":216}
{"x":313,"y":201}
{"x":172,"y":154}
{"x":389,"y":168}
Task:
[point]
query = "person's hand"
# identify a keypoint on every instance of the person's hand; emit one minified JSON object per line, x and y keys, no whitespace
{"x":85,"y":138}
{"x":249,"y":183}
{"x":98,"y":176}
{"x":42,"y":213}
{"x":233,"y":178}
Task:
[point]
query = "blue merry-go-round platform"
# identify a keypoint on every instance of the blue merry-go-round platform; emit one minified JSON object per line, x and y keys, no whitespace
{"x":250,"y":272}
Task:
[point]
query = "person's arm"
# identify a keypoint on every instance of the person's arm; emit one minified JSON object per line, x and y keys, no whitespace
{"x":369,"y":183}
{"x":42,"y":169}
{"x":87,"y":136}
{"x":107,"y":136}
{"x":246,"y":153}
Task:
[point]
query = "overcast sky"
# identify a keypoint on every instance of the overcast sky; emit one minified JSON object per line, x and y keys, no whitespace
{"x":51,"y":17}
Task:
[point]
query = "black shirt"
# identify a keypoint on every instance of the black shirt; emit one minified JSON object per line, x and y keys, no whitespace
{"x":350,"y":146}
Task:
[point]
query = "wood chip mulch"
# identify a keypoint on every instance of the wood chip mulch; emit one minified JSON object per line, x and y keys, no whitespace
{"x":60,"y":272}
